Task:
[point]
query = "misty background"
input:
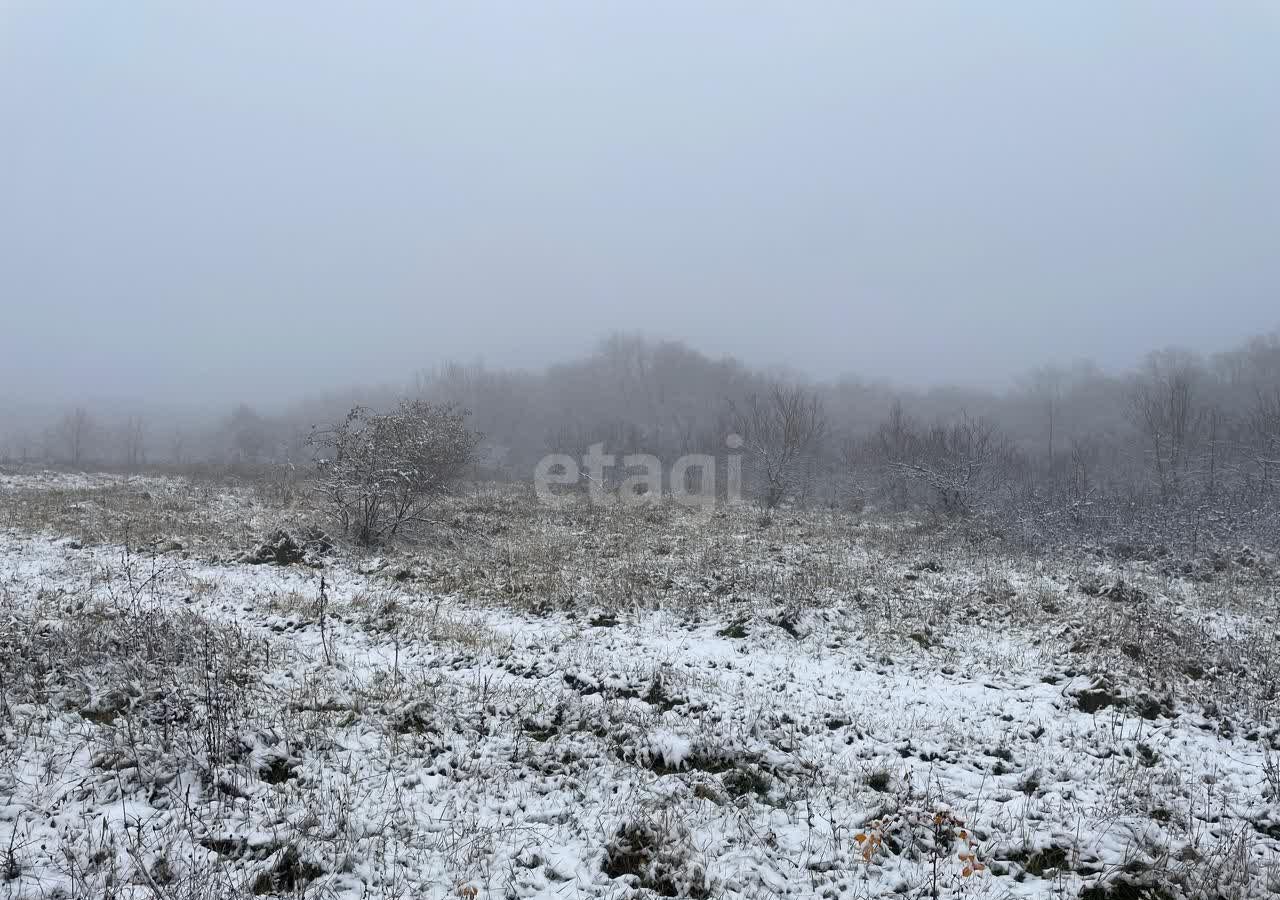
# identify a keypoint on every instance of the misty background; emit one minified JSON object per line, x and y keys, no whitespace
{"x":224,"y":223}
{"x":202,"y":199}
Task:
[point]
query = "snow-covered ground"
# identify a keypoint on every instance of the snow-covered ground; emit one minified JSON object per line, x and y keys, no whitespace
{"x":585,"y":703}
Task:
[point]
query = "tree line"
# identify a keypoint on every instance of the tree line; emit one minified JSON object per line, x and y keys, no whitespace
{"x":1183,"y":447}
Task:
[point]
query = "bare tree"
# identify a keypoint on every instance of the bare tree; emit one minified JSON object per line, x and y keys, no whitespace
{"x":1045,"y":387}
{"x":867,"y":459}
{"x":178,"y":447}
{"x":894,"y":441}
{"x":134,"y":439}
{"x":1215,"y":427}
{"x":1263,"y":434}
{"x":1084,"y":459}
{"x":1163,"y":407}
{"x":380,"y":473}
{"x":75,"y":431}
{"x":962,"y":463}
{"x":781,"y":431}
{"x":248,"y":433}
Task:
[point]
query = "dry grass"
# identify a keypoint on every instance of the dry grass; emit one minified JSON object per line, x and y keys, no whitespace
{"x":407,"y":661}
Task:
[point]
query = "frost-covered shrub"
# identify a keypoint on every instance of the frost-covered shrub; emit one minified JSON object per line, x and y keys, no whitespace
{"x":281,"y":548}
{"x":380,"y":472}
{"x":655,"y":852}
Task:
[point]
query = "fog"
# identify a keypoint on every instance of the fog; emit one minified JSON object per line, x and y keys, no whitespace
{"x":639,"y":448}
{"x":201,"y":203}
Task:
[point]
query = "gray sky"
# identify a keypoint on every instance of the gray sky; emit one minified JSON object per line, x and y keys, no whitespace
{"x":198,"y":196}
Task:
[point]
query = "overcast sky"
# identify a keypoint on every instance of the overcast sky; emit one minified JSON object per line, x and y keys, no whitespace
{"x":196,"y":198}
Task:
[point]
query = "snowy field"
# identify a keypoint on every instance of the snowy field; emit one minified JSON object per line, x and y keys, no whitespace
{"x":583,"y":702}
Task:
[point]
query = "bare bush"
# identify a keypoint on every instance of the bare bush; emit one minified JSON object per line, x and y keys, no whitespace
{"x":962,"y":463}
{"x":380,"y":473}
{"x":780,"y":430}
